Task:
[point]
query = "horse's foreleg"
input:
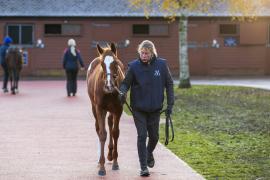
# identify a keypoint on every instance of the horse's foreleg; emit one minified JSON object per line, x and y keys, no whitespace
{"x":12,"y":79}
{"x":9,"y":79}
{"x":97,"y":130}
{"x":102,"y":138}
{"x":17,"y":82}
{"x":14,"y":82}
{"x":110,"y":146}
{"x":95,"y":115}
{"x":115,"y":133}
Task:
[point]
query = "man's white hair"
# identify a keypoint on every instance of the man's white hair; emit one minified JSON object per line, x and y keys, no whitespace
{"x":72,"y":44}
{"x":146,"y":44}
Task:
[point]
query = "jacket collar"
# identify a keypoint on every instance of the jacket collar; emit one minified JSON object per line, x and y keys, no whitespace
{"x":152,"y":60}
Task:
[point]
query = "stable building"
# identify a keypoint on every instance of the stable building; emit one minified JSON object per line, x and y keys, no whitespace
{"x":42,"y":28}
{"x":217,"y":46}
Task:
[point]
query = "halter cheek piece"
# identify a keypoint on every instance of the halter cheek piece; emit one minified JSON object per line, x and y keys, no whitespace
{"x":114,"y":77}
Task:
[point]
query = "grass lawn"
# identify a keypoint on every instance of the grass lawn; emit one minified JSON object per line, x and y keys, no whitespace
{"x":223,"y":132}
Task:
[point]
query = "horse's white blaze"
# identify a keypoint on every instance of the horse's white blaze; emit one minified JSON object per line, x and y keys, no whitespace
{"x":108,"y":60}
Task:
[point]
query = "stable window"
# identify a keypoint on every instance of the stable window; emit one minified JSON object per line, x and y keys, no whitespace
{"x":140,"y":29}
{"x":71,"y":29}
{"x":62,"y":29}
{"x":159,"y":30}
{"x":230,"y":34}
{"x":20,"y":33}
{"x":228,"y":29}
{"x":53,"y":29}
{"x":150,"y":29}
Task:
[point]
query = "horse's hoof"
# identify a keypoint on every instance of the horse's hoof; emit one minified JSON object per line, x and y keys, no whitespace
{"x":13,"y":92}
{"x":5,"y":90}
{"x":101,"y":172}
{"x":115,"y":167}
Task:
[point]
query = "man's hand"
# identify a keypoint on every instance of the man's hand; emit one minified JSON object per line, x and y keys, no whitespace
{"x":122,"y":98}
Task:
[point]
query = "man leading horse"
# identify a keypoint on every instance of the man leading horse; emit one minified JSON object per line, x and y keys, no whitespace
{"x":148,"y":77}
{"x":3,"y":50}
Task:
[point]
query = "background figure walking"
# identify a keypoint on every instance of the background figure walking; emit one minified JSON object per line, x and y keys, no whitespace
{"x":70,"y":63}
{"x":3,"y":51}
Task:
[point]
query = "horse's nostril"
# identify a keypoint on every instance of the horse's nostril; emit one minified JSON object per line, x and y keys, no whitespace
{"x":108,"y":88}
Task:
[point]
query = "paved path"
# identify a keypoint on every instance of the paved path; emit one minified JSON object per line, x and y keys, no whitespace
{"x":262,"y":82}
{"x":47,"y":136}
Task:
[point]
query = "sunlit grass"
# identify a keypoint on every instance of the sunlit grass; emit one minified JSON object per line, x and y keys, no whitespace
{"x":223,"y":132}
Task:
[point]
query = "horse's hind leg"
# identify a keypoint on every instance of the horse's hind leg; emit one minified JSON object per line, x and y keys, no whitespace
{"x":110,"y":146}
{"x":115,"y":133}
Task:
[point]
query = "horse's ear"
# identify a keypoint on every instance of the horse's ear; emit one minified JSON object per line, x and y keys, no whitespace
{"x":113,"y":48}
{"x":100,"y":50}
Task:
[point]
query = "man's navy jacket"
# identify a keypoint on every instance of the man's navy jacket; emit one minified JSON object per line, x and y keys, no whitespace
{"x":3,"y":50}
{"x":70,"y":62}
{"x":148,"y":82}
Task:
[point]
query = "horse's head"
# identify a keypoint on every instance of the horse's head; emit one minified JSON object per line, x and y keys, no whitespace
{"x":112,"y":68}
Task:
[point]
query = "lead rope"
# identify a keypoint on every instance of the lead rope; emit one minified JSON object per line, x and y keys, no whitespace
{"x":168,"y":121}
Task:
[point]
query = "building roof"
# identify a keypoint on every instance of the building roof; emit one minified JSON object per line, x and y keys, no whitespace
{"x":70,"y":8}
{"x":90,"y":8}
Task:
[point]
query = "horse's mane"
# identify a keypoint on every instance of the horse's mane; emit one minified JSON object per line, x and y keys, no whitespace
{"x":106,"y":51}
{"x":13,"y":50}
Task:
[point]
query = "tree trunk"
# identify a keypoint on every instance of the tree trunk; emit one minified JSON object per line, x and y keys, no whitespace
{"x":183,"y":54}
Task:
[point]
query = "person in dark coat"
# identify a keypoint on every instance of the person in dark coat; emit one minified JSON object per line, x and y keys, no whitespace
{"x":3,"y":51}
{"x":71,"y":59}
{"x":147,"y":76}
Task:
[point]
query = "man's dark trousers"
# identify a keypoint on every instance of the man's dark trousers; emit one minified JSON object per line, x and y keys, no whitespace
{"x":146,"y":122}
{"x":71,"y":81}
{"x":6,"y":75}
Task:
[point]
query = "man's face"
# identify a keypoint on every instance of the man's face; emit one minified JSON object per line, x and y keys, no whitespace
{"x":145,"y":55}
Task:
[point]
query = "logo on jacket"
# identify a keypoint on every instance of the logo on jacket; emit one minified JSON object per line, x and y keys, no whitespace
{"x":157,"y":73}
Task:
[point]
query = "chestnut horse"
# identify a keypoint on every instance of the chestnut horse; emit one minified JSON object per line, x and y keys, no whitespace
{"x":104,"y":76}
{"x":14,"y":64}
